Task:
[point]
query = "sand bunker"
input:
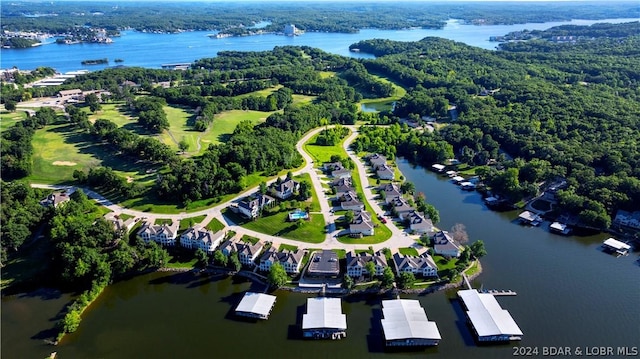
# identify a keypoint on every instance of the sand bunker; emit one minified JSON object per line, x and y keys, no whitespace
{"x":64,"y":163}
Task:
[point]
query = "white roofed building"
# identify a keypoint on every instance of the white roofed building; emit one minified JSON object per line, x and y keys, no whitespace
{"x":256,"y":305}
{"x":489,"y":321}
{"x":405,"y":323}
{"x":324,"y":319}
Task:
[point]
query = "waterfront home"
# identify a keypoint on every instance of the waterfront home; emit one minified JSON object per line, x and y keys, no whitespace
{"x":356,"y":263}
{"x":422,"y":265}
{"x":324,"y":319}
{"x":377,"y":160}
{"x":256,"y":305}
{"x":350,"y":201}
{"x":324,"y":264}
{"x":286,"y":189}
{"x":390,"y":192}
{"x":419,"y":223}
{"x":267,"y":259}
{"x":401,"y":208}
{"x":362,"y":224}
{"x":616,"y":246}
{"x":627,"y":219}
{"x":291,"y":260}
{"x":120,"y":225}
{"x":251,"y":207}
{"x":248,"y":252}
{"x":164,"y":234}
{"x":385,"y":172}
{"x":444,"y":245}
{"x":199,"y":237}
{"x":489,"y":321}
{"x":405,"y":323}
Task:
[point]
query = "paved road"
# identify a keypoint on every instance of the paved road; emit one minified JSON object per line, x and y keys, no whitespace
{"x":398,"y":238}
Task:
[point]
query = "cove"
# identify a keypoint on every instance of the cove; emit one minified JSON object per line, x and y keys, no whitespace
{"x":569,"y":294}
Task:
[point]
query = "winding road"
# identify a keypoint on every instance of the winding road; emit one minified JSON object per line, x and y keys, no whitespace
{"x":398,"y":238}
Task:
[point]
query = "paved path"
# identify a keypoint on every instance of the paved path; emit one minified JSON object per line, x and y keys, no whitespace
{"x":398,"y":238}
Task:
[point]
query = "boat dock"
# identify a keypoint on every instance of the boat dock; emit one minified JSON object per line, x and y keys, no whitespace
{"x":256,"y":305}
{"x":489,"y":321}
{"x":177,"y":66}
{"x":405,"y":324}
{"x":616,"y":246}
{"x":497,"y":292}
{"x":530,"y":218}
{"x":324,"y":319}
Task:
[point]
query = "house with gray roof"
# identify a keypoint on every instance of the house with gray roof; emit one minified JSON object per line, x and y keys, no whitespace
{"x":56,"y":199}
{"x":247,"y":252}
{"x":163,"y":234}
{"x":385,"y":172}
{"x":350,"y":201}
{"x":390,"y":191}
{"x":267,"y":259}
{"x":251,"y":206}
{"x":324,"y":264}
{"x":342,"y":173}
{"x":286,"y":189}
{"x":356,"y":263}
{"x":422,"y":265}
{"x":444,"y":245}
{"x":376,"y":160}
{"x":291,"y":260}
{"x":419,"y":223}
{"x":362,"y":224}
{"x":401,"y":208}
{"x":199,"y":237}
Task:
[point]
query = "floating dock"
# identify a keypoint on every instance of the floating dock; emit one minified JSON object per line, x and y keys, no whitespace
{"x":405,"y":324}
{"x":530,"y":218}
{"x":256,"y":305}
{"x":559,"y":228}
{"x":324,"y":319}
{"x":490,"y":322}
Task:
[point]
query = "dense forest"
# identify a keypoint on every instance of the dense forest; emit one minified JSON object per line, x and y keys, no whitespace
{"x":238,"y":18}
{"x":568,"y":110}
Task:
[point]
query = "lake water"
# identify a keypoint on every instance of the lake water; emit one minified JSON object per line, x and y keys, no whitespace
{"x":152,"y":50}
{"x":569,"y":294}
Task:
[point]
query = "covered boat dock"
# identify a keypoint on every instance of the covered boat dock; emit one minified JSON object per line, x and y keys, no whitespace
{"x":616,"y":246}
{"x":324,"y":319}
{"x":405,"y":323}
{"x":256,"y":305}
{"x":490,"y":322}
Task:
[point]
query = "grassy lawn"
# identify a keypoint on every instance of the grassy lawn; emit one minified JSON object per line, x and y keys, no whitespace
{"x":302,"y":99}
{"x":408,"y":251}
{"x":8,"y":119}
{"x":181,"y":258}
{"x":473,"y":269}
{"x":313,"y":203}
{"x":215,"y":225}
{"x":115,"y":113}
{"x":311,"y":231}
{"x":250,"y":239}
{"x":444,"y":265}
{"x":381,"y":104}
{"x":190,"y":222}
{"x":225,"y":122}
{"x":161,"y":221}
{"x":321,"y":154}
{"x":287,"y":247}
{"x":180,"y":121}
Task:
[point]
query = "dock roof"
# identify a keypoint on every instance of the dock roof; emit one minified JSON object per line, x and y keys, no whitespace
{"x":324,"y":312}
{"x":406,"y":319}
{"x":616,"y":244}
{"x":486,"y":315}
{"x":257,"y":303}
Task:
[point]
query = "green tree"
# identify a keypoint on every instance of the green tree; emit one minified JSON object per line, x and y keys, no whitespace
{"x":349,"y":216}
{"x":202,"y":259}
{"x":70,"y":322}
{"x":347,"y":282}
{"x":10,"y":105}
{"x":220,"y":259}
{"x":387,"y":277}
{"x":477,"y":249}
{"x":406,"y":280}
{"x":183,"y":145}
{"x":371,"y":269}
{"x":93,"y":101}
{"x":234,"y":261}
{"x":277,"y":276}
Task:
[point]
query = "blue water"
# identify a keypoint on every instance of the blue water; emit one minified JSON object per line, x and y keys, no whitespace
{"x":153,"y":50}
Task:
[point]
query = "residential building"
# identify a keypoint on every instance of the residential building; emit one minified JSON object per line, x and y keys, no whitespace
{"x":342,"y":173}
{"x":286,"y":189}
{"x":290,"y":30}
{"x":163,"y":234}
{"x":291,"y":260}
{"x":342,"y":186}
{"x":385,"y":172}
{"x":377,"y":160}
{"x":268,"y":258}
{"x":324,"y":264}
{"x":362,"y":224}
{"x":247,"y":252}
{"x":391,"y":192}
{"x":200,"y":237}
{"x":444,"y":245}
{"x":120,"y":225}
{"x":627,"y":219}
{"x":401,"y":208}
{"x":356,"y":263}
{"x":419,"y":223}
{"x":422,"y":265}
{"x":56,"y":199}
{"x":350,"y":201}
{"x":332,"y":166}
{"x":251,"y":207}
